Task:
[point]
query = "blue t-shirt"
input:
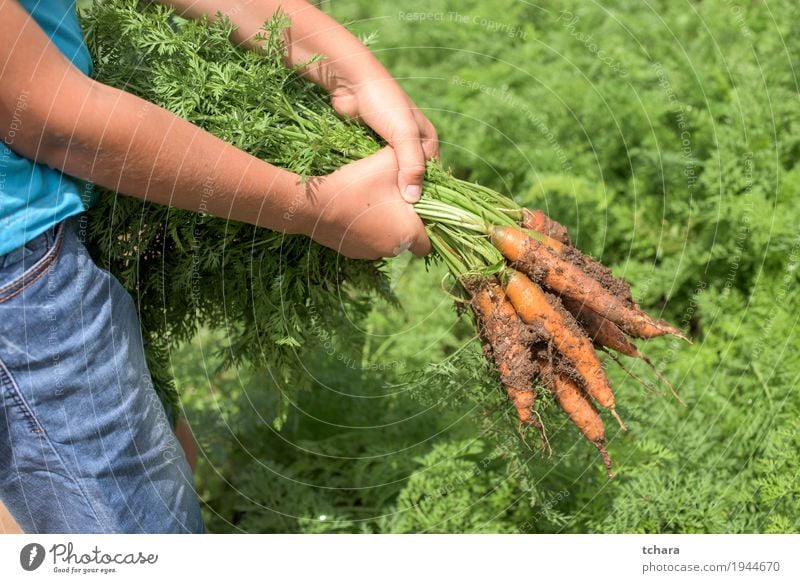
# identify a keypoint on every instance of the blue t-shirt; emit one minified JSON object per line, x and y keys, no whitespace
{"x":34,"y":197}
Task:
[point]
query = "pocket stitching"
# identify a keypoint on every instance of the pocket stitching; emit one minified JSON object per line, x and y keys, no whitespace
{"x":36,"y":272}
{"x":10,"y":386}
{"x":11,"y":389}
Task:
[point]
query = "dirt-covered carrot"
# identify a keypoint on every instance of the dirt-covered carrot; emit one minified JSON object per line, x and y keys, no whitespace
{"x":608,"y":335}
{"x":538,"y":221}
{"x":536,"y":309}
{"x":542,"y":230}
{"x":523,"y":401}
{"x":553,"y":244}
{"x":568,"y":280}
{"x":600,"y":330}
{"x":507,"y":341}
{"x":577,"y":406}
{"x":589,"y":265}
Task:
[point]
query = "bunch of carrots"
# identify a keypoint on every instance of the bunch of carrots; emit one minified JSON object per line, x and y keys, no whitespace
{"x":542,"y":308}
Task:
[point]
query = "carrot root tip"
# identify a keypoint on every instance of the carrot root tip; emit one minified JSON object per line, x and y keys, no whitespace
{"x":664,"y":379}
{"x":672,"y":330}
{"x":630,"y":373}
{"x":616,"y":416}
{"x":601,"y":447}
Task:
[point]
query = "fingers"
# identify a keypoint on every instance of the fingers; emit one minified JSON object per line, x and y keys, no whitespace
{"x":388,"y":110}
{"x":416,"y":237}
{"x":362,"y":215}
{"x":410,"y":163}
{"x":421,"y":244}
{"x":417,"y":242}
{"x":413,"y":145}
{"x":428,"y":136}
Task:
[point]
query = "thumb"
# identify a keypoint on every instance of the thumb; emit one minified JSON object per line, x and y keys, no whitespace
{"x":420,"y":244}
{"x":411,"y":165}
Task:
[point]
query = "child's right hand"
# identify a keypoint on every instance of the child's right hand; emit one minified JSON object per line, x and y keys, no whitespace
{"x":358,"y":211}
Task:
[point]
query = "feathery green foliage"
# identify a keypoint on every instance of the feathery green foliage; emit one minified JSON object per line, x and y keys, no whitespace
{"x":187,"y":269}
{"x":673,"y":159}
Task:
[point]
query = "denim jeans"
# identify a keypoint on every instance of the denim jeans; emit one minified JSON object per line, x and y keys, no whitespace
{"x":85,"y":443}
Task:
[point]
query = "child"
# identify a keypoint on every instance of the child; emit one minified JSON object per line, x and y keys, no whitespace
{"x":85,"y":444}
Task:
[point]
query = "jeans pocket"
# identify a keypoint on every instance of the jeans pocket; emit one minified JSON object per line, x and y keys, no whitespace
{"x":47,"y":246}
{"x":10,"y":393}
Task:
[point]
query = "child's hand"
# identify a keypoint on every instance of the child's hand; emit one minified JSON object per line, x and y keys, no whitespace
{"x":358,"y":211}
{"x":381,"y":103}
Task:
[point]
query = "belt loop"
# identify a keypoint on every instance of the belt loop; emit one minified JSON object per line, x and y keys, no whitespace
{"x":53,"y":233}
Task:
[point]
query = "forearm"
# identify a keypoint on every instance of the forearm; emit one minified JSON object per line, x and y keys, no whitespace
{"x":119,"y":141}
{"x":127,"y":144}
{"x":312,"y":32}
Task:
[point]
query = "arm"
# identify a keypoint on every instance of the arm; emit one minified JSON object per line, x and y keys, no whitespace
{"x":360,"y":86}
{"x":119,"y":141}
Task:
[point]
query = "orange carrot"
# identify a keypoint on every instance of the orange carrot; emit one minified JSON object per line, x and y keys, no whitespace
{"x":608,"y":335}
{"x":553,"y":244}
{"x":600,"y":330}
{"x":523,"y":401}
{"x":533,"y":308}
{"x":580,"y":410}
{"x":566,"y":279}
{"x":508,"y":344}
{"x":591,"y":266}
{"x":538,"y":221}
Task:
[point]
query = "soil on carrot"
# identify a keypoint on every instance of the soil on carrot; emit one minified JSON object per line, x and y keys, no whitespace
{"x":545,"y":352}
{"x":535,"y":271}
{"x":538,"y":221}
{"x":506,"y":339}
{"x":561,"y":365}
{"x":616,"y":285}
{"x":554,"y":373}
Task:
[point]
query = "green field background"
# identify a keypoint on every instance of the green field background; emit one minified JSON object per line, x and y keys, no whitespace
{"x":665,"y":136}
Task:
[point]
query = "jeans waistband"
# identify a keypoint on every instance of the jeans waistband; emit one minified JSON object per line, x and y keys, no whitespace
{"x":33,"y":248}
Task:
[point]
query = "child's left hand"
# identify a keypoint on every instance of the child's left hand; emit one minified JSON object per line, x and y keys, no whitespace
{"x":386,"y":108}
